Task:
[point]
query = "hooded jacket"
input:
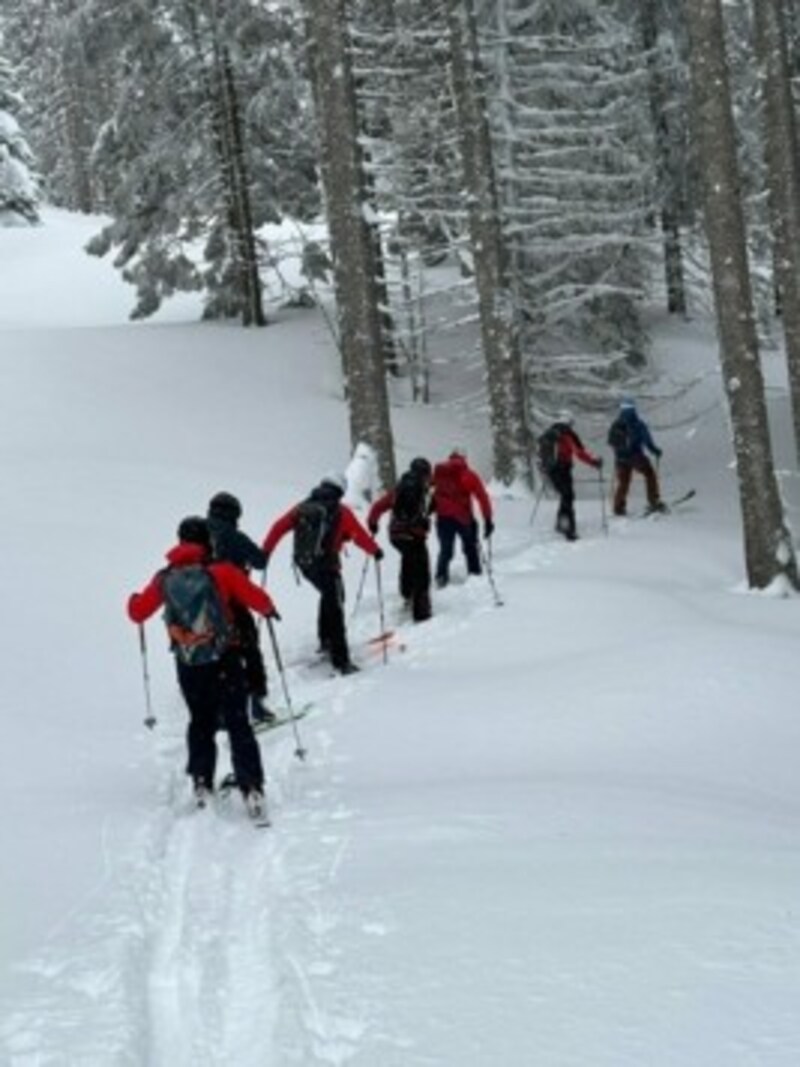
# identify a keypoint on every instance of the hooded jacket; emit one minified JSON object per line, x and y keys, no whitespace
{"x":455,"y":483}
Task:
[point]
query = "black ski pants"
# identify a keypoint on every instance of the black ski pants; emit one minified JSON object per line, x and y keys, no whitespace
{"x":217,"y":693}
{"x":250,"y":648}
{"x":415,"y":575}
{"x":561,"y":478}
{"x":331,"y":629}
{"x":447,"y":530}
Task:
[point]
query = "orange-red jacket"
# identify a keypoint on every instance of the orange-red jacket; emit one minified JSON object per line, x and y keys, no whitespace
{"x":570,"y":447}
{"x":233,"y":585}
{"x":347,"y":528}
{"x":455,"y":483}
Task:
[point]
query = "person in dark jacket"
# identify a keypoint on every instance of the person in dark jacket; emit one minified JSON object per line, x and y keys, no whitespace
{"x":629,"y":436}
{"x":455,"y":486}
{"x":214,"y":687}
{"x":566,"y":448}
{"x":338,"y":524}
{"x":409,"y":503}
{"x":229,"y":544}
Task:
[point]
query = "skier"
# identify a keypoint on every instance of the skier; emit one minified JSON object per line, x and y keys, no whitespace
{"x":454,"y":486}
{"x":629,"y":436}
{"x":559,"y":447}
{"x":198,"y":594}
{"x":408,"y":532}
{"x":229,"y":544}
{"x":321,"y":525}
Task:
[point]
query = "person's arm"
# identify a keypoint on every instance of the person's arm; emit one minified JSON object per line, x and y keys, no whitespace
{"x":251,"y":554}
{"x":278,"y":530}
{"x":235,"y":585}
{"x":583,"y":454}
{"x":352,"y":530}
{"x":381,"y":505}
{"x":478,"y":489}
{"x":142,"y":605}
{"x":647,"y":439}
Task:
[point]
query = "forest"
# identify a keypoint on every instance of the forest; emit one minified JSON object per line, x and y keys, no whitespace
{"x":516,"y":184}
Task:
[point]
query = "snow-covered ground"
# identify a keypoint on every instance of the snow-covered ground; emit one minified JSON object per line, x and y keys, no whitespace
{"x":564,"y":831}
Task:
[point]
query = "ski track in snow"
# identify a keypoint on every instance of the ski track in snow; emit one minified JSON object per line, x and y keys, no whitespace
{"x":216,"y":942}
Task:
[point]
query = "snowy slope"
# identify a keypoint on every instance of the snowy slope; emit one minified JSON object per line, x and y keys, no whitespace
{"x":558,"y":832}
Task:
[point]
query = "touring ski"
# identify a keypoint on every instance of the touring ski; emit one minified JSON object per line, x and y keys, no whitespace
{"x":284,"y":718}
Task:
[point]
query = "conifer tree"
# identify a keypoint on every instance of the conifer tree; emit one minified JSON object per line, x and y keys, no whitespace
{"x":18,"y":193}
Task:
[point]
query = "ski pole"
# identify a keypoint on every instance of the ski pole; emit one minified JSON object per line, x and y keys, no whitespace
{"x":299,"y":751}
{"x":360,"y":592}
{"x":604,"y":517}
{"x":486,"y":558}
{"x":381,"y":614}
{"x":150,"y":719}
{"x":537,"y":502}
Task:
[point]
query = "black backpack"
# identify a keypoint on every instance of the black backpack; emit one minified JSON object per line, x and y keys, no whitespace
{"x":194,"y":615}
{"x":547,"y":448}
{"x":620,"y":435}
{"x":313,"y":530}
{"x":410,"y":508}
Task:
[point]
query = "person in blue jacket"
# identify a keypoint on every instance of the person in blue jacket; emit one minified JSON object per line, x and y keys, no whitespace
{"x":630,"y":436}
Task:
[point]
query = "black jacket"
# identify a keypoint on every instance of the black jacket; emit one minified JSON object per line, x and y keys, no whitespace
{"x":230,"y":545}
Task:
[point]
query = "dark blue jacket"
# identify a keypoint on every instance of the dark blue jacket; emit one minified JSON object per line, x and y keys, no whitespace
{"x":633,"y":439}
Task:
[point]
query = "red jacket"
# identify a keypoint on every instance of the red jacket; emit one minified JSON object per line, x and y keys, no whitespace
{"x":380,"y":506}
{"x":347,"y":528}
{"x":455,"y":483}
{"x":233,"y":586}
{"x":570,"y":447}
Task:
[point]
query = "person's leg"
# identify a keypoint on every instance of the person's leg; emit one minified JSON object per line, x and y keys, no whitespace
{"x":561,"y":477}
{"x":446,"y":532}
{"x":468,"y":532}
{"x":332,"y":609}
{"x":232,"y":697}
{"x":624,"y":471}
{"x":646,"y":469}
{"x":199,"y":689}
{"x":419,"y":568}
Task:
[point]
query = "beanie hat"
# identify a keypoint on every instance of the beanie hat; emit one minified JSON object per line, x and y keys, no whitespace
{"x":194,"y":530}
{"x":225,"y":506}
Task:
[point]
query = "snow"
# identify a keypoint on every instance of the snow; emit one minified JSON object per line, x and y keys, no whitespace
{"x":563,"y":831}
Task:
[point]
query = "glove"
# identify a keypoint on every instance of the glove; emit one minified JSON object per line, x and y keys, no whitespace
{"x":274,"y":615}
{"x":378,"y":554}
{"x":658,"y":453}
{"x":488,"y":529}
{"x":598,"y":463}
{"x":372,"y":527}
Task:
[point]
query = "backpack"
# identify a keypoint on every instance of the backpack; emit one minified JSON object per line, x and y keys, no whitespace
{"x":547,"y":448}
{"x":620,"y":436}
{"x":312,"y":534}
{"x":410,"y":509}
{"x":194,"y":615}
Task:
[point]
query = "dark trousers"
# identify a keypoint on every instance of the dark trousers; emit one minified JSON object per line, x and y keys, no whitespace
{"x":447,"y":530}
{"x":252,"y":659}
{"x":624,"y":474}
{"x":561,"y":478}
{"x":415,"y":575}
{"x":330,"y":617}
{"x":217,"y":693}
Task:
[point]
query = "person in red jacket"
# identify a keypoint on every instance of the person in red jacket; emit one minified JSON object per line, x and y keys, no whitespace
{"x":559,"y":447}
{"x":321,"y":525}
{"x":199,"y":597}
{"x":455,"y":485}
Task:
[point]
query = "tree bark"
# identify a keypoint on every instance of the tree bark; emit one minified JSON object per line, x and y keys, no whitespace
{"x":768,"y":547}
{"x":780,"y":150}
{"x":352,"y":248}
{"x":510,"y":438}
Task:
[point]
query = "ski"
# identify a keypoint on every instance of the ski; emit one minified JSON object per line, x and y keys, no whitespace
{"x":670,"y":504}
{"x":284,"y":718}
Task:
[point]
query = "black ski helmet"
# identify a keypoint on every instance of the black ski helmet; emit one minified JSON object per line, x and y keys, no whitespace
{"x":224,"y":506}
{"x":421,"y":467}
{"x":194,"y":530}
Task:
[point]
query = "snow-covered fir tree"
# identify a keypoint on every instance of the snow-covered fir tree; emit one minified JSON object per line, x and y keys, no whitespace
{"x":18,"y":189}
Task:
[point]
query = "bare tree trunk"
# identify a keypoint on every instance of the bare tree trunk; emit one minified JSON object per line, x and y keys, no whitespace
{"x":768,"y":547}
{"x":352,"y":248}
{"x":782,"y":180}
{"x":665,"y":164}
{"x":510,"y":441}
